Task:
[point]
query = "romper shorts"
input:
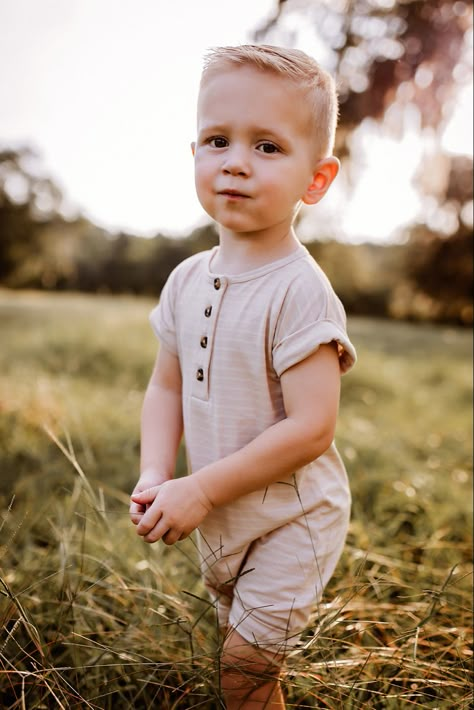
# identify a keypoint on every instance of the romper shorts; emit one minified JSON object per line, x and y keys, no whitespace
{"x":266,"y":580}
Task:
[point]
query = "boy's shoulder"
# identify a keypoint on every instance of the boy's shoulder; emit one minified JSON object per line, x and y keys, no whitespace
{"x":305,"y":271}
{"x":308,"y":287}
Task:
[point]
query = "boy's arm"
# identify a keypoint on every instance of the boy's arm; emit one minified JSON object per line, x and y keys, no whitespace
{"x":311,"y":397}
{"x":311,"y":392}
{"x":161,"y":427}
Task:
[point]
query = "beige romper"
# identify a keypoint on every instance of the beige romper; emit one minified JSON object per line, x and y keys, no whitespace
{"x":267,"y":556}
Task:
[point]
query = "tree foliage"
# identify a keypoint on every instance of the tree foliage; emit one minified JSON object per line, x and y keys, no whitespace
{"x":388,"y":55}
{"x":42,"y":248}
{"x":382,"y":52}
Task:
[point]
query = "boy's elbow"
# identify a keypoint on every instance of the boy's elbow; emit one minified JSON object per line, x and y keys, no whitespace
{"x":317,"y":441}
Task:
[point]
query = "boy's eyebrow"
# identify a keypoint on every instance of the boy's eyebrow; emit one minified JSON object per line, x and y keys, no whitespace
{"x":253,"y":130}
{"x":203,"y":128}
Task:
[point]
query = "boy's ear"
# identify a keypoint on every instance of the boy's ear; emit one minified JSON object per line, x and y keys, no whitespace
{"x":324,"y":173}
{"x":193,"y":147}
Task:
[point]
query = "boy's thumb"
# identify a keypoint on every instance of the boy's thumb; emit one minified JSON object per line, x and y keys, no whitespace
{"x":146,"y":496}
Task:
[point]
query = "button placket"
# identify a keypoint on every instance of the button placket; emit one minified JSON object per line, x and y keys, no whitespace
{"x":203,"y":355}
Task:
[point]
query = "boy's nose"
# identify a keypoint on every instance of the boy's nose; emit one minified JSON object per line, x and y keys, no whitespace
{"x":236,"y":163}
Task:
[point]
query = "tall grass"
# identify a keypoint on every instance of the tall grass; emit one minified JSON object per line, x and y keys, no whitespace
{"x":92,"y":617}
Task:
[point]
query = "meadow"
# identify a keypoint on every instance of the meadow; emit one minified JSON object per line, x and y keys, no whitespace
{"x":92,"y":617}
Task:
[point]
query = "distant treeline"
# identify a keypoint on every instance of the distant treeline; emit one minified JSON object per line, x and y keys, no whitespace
{"x":422,"y":280}
{"x":428,"y":278}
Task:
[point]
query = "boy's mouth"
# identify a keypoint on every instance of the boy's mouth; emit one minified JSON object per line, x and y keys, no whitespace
{"x":235,"y":194}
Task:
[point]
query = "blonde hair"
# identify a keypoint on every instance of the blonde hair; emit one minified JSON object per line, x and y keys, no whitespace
{"x":294,"y":65}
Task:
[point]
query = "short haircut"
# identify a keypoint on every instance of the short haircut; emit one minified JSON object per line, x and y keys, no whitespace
{"x":294,"y":65}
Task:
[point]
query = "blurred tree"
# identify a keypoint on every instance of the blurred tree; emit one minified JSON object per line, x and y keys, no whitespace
{"x":438,"y":265}
{"x":17,"y":231}
{"x":388,"y":56}
{"x":40,"y":248}
{"x":383,"y":52}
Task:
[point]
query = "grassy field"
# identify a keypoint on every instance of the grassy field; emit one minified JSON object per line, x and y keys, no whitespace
{"x":92,"y":617}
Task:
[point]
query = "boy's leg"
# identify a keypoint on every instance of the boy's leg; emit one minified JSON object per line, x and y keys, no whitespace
{"x":250,"y":676}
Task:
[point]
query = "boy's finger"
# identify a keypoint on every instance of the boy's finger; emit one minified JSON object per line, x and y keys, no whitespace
{"x":157,"y":533}
{"x":172,"y":536}
{"x":146,"y":496}
{"x":137,"y":508}
{"x":149,"y":522}
{"x":137,"y":497}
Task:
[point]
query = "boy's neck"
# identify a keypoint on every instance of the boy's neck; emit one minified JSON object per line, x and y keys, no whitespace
{"x":239,"y":253}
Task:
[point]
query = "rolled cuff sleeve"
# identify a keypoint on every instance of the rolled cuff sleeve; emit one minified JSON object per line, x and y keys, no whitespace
{"x":299,"y":345}
{"x":163,"y":329}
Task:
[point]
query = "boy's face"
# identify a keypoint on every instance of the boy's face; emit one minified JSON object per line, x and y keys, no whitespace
{"x":254,"y":157}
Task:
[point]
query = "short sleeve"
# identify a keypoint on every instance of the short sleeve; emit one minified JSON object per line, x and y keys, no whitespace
{"x":312,"y":315}
{"x":162,"y":317}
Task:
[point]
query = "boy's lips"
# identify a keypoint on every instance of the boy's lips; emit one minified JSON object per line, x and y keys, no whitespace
{"x":232,"y":193}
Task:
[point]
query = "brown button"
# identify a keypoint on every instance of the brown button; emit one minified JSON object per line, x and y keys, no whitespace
{"x":200,"y":375}
{"x":208,"y":311}
{"x":217,"y":284}
{"x":204,"y":341}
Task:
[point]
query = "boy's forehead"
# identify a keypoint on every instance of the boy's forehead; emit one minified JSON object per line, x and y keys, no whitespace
{"x":255,"y":90}
{"x":247,"y":78}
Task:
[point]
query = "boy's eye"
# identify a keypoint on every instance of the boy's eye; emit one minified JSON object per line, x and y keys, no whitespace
{"x":218,"y":142}
{"x":268,"y":148}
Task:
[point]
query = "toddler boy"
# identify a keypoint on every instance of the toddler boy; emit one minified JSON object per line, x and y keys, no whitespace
{"x":253,"y":343}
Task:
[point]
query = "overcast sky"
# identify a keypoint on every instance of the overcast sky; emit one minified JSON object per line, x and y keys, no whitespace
{"x":105,"y":91}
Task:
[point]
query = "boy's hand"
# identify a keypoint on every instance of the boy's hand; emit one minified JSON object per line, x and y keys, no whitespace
{"x":137,"y":510}
{"x":172,"y":510}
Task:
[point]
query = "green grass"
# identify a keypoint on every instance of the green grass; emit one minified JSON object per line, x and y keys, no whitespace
{"x":94,"y":618}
